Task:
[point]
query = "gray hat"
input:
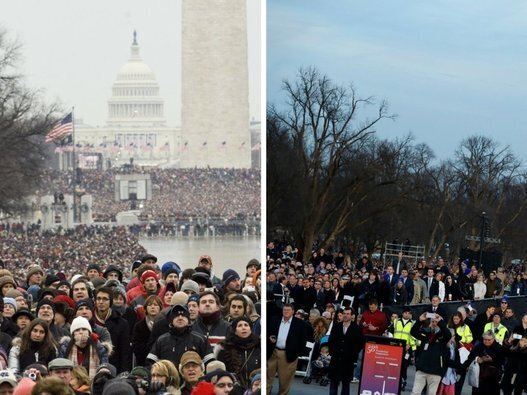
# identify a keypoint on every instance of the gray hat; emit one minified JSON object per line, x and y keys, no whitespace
{"x":190,"y":285}
{"x":118,"y":387}
{"x":60,"y":363}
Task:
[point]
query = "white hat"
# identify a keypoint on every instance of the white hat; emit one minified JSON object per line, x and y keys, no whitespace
{"x":7,"y":376}
{"x":80,"y":323}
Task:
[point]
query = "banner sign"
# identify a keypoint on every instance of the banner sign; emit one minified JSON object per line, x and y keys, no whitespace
{"x":382,"y":362}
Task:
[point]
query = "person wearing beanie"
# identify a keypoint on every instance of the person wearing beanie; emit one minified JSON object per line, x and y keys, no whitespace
{"x":241,"y":350}
{"x":193,"y":307}
{"x":179,"y":298}
{"x":84,"y":308}
{"x":34,"y":276}
{"x":112,"y":272}
{"x":7,"y":326}
{"x":93,"y":271}
{"x":22,"y":318}
{"x":119,"y":386}
{"x":170,"y":266}
{"x":136,"y":287}
{"x":98,"y":282}
{"x":190,"y":287}
{"x":35,"y":345}
{"x":46,"y":311}
{"x":210,"y":322}
{"x":119,"y":298}
{"x":150,"y":286}
{"x":47,"y":293}
{"x":33,"y":291}
{"x":252,"y":267}
{"x":231,"y":281}
{"x":166,"y":294}
{"x":9,"y":307}
{"x":191,"y":369}
{"x":224,"y":382}
{"x":65,"y":287}
{"x":172,"y":345}
{"x":256,"y":385}
{"x":52,"y":281}
{"x":214,"y":365}
{"x":84,"y":349}
{"x":19,"y":297}
{"x":7,"y":283}
{"x":106,"y":317}
{"x":202,"y":277}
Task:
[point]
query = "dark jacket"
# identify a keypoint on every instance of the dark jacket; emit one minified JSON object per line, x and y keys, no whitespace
{"x":344,"y":349}
{"x":241,"y":357}
{"x":140,"y":338}
{"x":430,"y":355}
{"x":172,"y":346}
{"x":215,"y":333}
{"x":121,"y":357}
{"x":296,"y":338}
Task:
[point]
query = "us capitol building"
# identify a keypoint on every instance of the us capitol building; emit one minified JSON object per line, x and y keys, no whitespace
{"x":136,"y":131}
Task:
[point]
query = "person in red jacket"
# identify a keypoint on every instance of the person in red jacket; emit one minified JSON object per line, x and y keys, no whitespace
{"x":373,"y":322}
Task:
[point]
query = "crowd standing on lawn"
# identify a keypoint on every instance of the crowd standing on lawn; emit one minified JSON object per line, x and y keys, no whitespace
{"x":89,"y":311}
{"x":336,"y":300}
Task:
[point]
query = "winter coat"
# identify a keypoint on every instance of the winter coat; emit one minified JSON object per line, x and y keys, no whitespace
{"x":344,"y":349}
{"x":121,"y":357}
{"x":173,"y":345}
{"x":432,"y":353}
{"x":217,"y":331}
{"x":241,"y":357}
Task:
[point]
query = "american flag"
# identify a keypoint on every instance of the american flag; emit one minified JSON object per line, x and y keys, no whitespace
{"x":62,"y":128}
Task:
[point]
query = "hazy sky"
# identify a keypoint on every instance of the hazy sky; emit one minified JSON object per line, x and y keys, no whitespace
{"x":73,"y":49}
{"x":450,"y":69}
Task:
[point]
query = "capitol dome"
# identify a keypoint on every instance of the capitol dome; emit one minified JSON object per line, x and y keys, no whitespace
{"x":135,"y":97}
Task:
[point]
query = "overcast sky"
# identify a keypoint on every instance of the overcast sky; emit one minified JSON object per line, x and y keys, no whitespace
{"x":73,"y":50}
{"x":450,"y":69}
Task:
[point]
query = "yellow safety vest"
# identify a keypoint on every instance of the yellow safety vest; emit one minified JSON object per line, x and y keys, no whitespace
{"x":465,"y":333}
{"x":500,"y":332}
{"x":402,"y":331}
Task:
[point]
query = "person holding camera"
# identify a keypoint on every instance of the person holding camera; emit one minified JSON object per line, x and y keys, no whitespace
{"x":164,"y":378}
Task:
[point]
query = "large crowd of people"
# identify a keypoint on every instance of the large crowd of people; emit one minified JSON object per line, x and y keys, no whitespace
{"x":177,"y":194}
{"x":335,"y":300}
{"x":89,"y":311}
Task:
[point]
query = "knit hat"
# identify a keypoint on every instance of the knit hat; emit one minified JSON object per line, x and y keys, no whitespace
{"x":10,"y":301}
{"x":33,"y":291}
{"x":64,"y":299}
{"x":253,"y":262}
{"x":229,"y":275}
{"x":169,"y":272}
{"x":109,"y":367}
{"x":118,"y":386}
{"x":190,"y":285}
{"x":168,"y":266}
{"x":113,"y":268}
{"x":23,"y":312}
{"x":201,"y":277}
{"x":80,"y":323}
{"x":50,"y":279}
{"x":135,"y":265}
{"x":235,"y":322}
{"x":47,"y":291}
{"x":146,"y":257}
{"x":93,"y":266}
{"x":33,"y":270}
{"x":14,"y":293}
{"x":214,"y":376}
{"x":121,"y":291}
{"x":97,"y":282}
{"x":43,"y":302}
{"x":193,"y":298}
{"x":64,"y":282}
{"x":178,"y":309}
{"x":60,"y":363}
{"x":148,"y":274}
{"x":7,"y":280}
{"x":190,"y":356}
{"x":24,"y":387}
{"x":179,"y":298}
{"x":84,"y":302}
{"x":256,"y":377}
{"x":140,"y":371}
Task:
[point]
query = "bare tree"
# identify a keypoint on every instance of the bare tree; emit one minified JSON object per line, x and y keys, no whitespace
{"x":322,"y":120}
{"x":24,"y":121}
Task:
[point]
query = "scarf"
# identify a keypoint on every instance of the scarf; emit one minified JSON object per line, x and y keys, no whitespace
{"x":91,"y":360}
{"x":211,"y":319}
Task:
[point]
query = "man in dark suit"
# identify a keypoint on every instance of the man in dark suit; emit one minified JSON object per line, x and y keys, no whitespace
{"x":430,"y":281}
{"x":320,"y":303}
{"x":345,"y":341}
{"x":390,"y":277}
{"x":408,"y":284}
{"x":435,"y":307}
{"x":306,"y":296}
{"x":286,"y":341}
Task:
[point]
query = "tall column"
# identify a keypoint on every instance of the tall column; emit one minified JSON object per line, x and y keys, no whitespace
{"x":215,"y":92}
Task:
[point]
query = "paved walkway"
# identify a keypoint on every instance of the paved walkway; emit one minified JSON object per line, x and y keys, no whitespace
{"x":299,"y":388}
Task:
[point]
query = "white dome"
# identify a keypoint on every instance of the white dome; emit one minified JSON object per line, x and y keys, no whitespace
{"x":134,"y":70}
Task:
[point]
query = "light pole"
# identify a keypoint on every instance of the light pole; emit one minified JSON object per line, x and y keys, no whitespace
{"x":482,"y":238}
